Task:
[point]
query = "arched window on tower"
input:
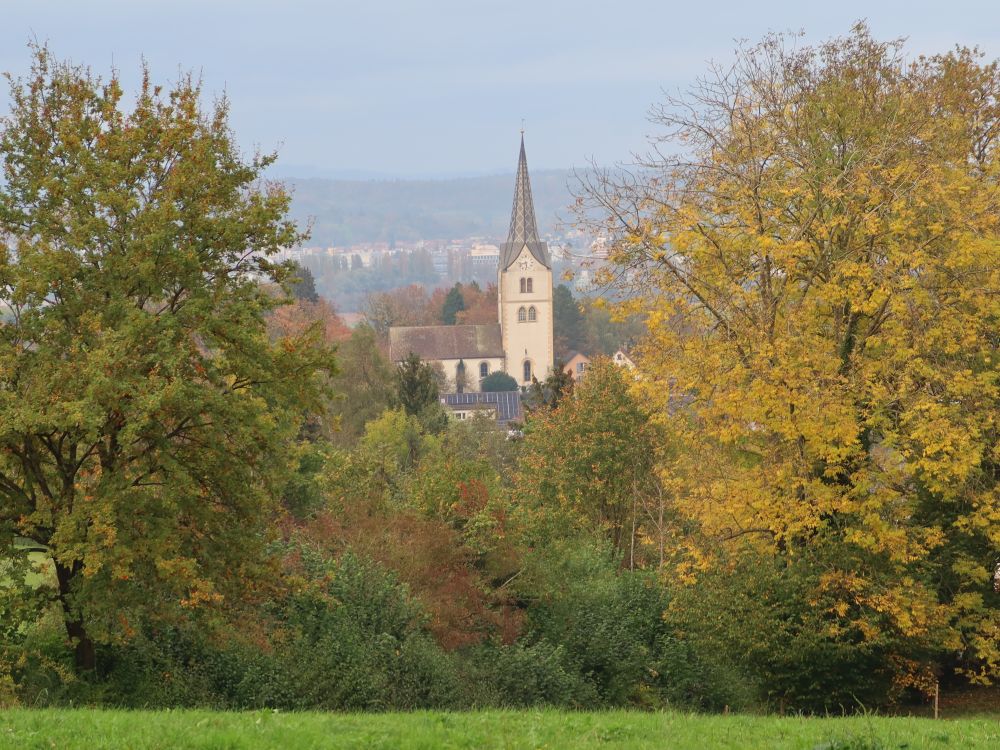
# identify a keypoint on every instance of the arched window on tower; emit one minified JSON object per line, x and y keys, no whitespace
{"x":524,"y":285}
{"x":522,"y":315}
{"x":532,"y":315}
{"x":460,"y":376}
{"x":529,"y":286}
{"x":484,"y":369}
{"x":527,"y":371}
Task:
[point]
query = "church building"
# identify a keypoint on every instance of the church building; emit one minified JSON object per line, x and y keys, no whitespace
{"x":521,"y":344}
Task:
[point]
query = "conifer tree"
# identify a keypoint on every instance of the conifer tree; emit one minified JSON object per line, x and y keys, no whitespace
{"x":567,"y":321}
{"x":454,"y":303}
{"x":303,"y":283}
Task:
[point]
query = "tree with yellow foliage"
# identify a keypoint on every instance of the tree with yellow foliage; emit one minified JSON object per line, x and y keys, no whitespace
{"x":817,"y":242}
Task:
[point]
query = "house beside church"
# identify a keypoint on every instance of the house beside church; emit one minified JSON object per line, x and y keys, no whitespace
{"x":521,"y":344}
{"x":623,"y":359}
{"x":576,"y":366}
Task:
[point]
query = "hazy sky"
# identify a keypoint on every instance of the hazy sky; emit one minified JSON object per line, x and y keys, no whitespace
{"x":438,"y":87}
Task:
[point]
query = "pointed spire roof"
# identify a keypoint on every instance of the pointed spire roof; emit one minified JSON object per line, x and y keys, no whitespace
{"x":523,"y":228}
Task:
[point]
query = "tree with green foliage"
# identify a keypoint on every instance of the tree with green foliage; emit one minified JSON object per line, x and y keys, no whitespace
{"x":417,"y":392}
{"x":568,"y":322}
{"x":497,"y":382}
{"x":392,"y":443}
{"x":604,"y":332}
{"x":589,"y":462}
{"x":454,"y":303}
{"x":416,"y":385}
{"x":549,"y":392}
{"x":302,"y":283}
{"x":364,"y":383}
{"x":144,"y":412}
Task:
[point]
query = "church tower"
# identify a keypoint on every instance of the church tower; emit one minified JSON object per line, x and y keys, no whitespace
{"x":524,"y":287}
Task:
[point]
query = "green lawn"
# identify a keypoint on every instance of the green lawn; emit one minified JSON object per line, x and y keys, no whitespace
{"x":42,"y":568}
{"x":136,"y":730}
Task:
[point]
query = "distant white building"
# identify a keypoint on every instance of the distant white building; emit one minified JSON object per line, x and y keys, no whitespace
{"x":484,"y":256}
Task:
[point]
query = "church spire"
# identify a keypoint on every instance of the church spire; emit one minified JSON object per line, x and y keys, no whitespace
{"x":523,"y":228}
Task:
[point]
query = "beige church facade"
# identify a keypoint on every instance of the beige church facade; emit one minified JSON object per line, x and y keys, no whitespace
{"x":522,"y":343}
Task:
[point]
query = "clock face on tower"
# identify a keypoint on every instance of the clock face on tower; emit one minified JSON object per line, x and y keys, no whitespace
{"x":526,"y":264}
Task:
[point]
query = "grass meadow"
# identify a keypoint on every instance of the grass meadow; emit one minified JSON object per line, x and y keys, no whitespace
{"x":89,"y":729}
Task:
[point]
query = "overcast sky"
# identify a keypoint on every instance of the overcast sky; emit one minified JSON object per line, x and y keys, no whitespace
{"x":439,"y":87}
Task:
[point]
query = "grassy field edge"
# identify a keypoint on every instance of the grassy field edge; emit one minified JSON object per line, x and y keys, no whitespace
{"x":101,"y":728}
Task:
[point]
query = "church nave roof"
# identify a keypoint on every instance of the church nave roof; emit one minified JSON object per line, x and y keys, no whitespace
{"x":446,"y":342}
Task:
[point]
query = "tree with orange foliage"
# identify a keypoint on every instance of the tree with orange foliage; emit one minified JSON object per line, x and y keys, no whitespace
{"x":300,"y":316}
{"x":409,"y":306}
{"x":480,"y":305}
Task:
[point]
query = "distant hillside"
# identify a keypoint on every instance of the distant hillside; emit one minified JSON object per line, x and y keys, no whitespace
{"x":346,"y":212}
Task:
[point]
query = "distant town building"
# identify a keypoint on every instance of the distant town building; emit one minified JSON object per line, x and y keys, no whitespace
{"x":578,"y":364}
{"x":599,"y":248}
{"x":442,"y":263}
{"x":484,"y":256}
{"x":582,"y":282}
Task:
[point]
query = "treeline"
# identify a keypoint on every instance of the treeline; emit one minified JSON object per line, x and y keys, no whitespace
{"x":461,"y":304}
{"x":346,"y":280}
{"x":347,"y":212}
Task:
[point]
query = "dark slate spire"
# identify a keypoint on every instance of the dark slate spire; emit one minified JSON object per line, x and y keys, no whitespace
{"x":523,"y":229}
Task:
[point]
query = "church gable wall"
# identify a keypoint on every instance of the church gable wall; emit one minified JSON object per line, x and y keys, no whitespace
{"x":472,"y":370}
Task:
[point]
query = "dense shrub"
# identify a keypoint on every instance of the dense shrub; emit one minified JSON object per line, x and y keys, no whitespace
{"x":699,"y":680}
{"x":35,"y":665}
{"x":609,"y":625}
{"x":496,"y":382}
{"x":347,"y":635}
{"x":523,"y":675}
{"x":351,"y":639}
{"x":765,"y":620}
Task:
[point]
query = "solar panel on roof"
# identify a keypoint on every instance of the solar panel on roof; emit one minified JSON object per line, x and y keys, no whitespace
{"x":508,"y":403}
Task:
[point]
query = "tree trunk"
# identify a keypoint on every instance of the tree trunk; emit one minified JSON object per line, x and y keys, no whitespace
{"x":85,"y":656}
{"x":659,"y":523}
{"x":631,"y":551}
